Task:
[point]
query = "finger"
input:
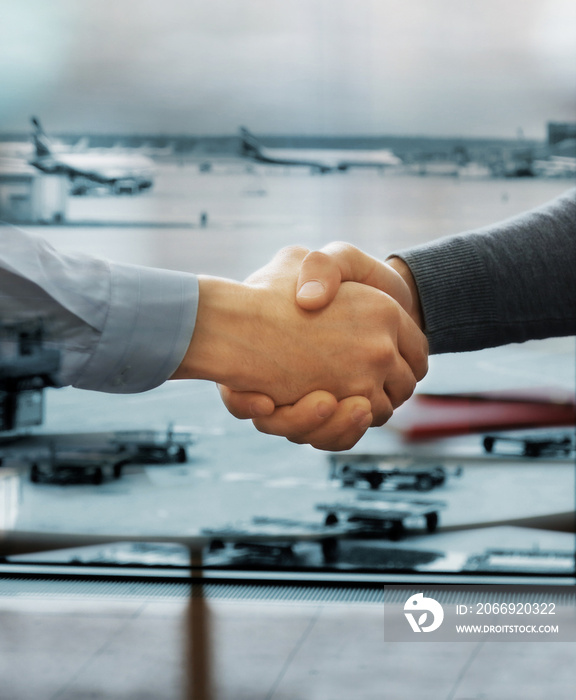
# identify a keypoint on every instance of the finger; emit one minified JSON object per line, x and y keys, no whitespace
{"x":344,"y":428}
{"x":400,"y":383}
{"x":289,"y":258}
{"x":382,"y":408}
{"x":307,"y":414}
{"x":246,"y":404}
{"x":322,"y":271}
{"x":413,"y":346}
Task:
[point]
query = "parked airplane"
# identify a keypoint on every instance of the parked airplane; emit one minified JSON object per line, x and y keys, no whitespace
{"x":25,"y":149}
{"x":323,"y":160}
{"x":556,"y":166}
{"x":120,"y":172}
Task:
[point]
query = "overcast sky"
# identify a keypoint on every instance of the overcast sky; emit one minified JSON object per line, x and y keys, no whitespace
{"x":431,"y":67}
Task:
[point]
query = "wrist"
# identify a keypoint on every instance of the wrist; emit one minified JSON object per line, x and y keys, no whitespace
{"x":221,"y":325}
{"x":404,"y":271}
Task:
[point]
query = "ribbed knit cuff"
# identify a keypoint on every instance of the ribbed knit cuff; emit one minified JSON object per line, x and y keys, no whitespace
{"x":455,"y":292}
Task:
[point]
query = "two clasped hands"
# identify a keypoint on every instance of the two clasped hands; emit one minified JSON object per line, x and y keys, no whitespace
{"x":315,"y":346}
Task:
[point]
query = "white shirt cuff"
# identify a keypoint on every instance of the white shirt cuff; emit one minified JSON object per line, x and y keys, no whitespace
{"x":147,"y":330}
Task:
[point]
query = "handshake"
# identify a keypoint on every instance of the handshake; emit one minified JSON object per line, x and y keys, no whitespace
{"x":316,"y":347}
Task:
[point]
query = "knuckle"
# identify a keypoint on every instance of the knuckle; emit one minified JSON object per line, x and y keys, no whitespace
{"x":363,"y":386}
{"x":345,"y":254}
{"x":422,"y":368}
{"x":325,"y":447}
{"x":411,"y":384}
{"x":339,"y":446}
{"x":423,"y":372}
{"x":381,"y":418}
{"x":236,"y":405}
{"x":239,"y":413}
{"x":347,"y":248}
{"x":405,"y":392}
{"x":387,"y":352}
{"x":265,"y":426}
{"x":294,"y":251}
{"x":296,"y":439}
{"x":316,"y":257}
{"x":338,"y":247}
{"x":336,"y":442}
{"x":381,"y":411}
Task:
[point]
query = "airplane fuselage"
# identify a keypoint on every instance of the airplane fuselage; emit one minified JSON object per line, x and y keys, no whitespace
{"x":325,"y":159}
{"x":322,"y":160}
{"x":104,"y":169}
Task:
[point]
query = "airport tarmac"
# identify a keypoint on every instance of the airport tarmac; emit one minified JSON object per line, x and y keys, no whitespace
{"x":235,"y":473}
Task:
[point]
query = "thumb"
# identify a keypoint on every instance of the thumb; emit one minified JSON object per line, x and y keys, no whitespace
{"x":321,"y":273}
{"x":318,"y":281}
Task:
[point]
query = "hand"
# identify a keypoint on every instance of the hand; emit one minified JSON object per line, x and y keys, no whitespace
{"x":317,"y":419}
{"x":324,"y":270}
{"x":253,"y":336}
{"x":311,"y":419}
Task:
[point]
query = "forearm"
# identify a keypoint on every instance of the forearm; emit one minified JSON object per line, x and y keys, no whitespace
{"x":118,"y":328}
{"x":510,"y":282}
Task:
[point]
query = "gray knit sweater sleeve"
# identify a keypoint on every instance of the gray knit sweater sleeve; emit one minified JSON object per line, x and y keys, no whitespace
{"x":506,"y":283}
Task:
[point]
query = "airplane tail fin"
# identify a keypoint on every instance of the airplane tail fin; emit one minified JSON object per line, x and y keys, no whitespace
{"x":81,"y":145}
{"x":249,"y":144}
{"x":41,"y":141}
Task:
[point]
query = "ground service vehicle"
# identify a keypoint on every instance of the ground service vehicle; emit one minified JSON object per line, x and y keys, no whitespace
{"x":77,"y":465}
{"x":383,"y":517}
{"x":155,"y":446}
{"x":271,"y":540}
{"x":529,"y":445}
{"x":377,"y":470}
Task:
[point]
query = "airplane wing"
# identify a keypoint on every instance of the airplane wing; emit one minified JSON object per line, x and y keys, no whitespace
{"x":134,"y":170}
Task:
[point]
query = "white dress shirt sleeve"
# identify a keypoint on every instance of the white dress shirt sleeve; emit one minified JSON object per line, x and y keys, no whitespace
{"x":119,"y":328}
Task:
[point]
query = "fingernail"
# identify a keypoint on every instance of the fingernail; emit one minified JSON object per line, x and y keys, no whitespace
{"x":359,"y":415}
{"x":259,"y":408}
{"x":324,"y":409}
{"x":312,"y":289}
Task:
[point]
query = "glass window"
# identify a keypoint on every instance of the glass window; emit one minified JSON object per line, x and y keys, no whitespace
{"x":386,"y":129}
